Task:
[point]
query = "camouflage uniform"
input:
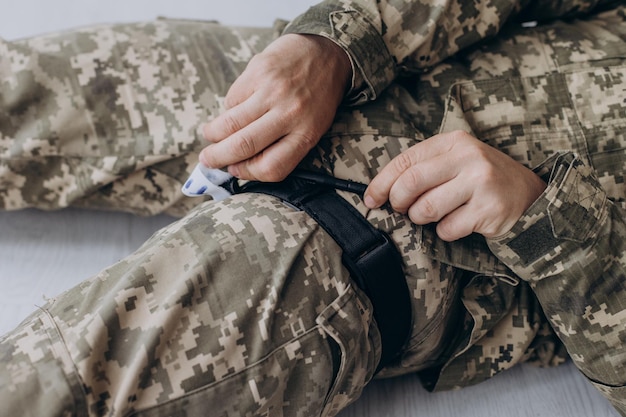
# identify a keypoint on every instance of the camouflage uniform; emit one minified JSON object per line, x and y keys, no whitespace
{"x":243,"y":307}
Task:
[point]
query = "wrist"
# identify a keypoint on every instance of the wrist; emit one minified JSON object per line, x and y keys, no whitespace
{"x":334,"y":58}
{"x":564,"y":221}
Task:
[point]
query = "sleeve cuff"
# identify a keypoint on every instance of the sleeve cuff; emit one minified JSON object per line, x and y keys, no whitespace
{"x":373,"y":67}
{"x":565,"y":218}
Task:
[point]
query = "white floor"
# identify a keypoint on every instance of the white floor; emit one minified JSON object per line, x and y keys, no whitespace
{"x":44,"y":253}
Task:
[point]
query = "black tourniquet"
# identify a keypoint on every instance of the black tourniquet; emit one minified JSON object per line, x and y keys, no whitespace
{"x":368,"y":253}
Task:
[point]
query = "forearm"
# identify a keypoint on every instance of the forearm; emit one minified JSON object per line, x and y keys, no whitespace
{"x":385,"y":39}
{"x":570,"y":246}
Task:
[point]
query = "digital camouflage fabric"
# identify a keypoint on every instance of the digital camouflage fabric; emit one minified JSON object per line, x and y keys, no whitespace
{"x":106,"y":117}
{"x":243,"y":307}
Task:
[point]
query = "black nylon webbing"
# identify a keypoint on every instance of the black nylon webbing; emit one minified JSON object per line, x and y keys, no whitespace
{"x":368,"y":253}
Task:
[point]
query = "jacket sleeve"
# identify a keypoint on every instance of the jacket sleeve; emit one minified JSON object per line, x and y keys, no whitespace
{"x":384,"y":38}
{"x":571,"y":247}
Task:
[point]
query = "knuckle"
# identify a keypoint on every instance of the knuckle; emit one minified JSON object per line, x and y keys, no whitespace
{"x":446,"y":230}
{"x":256,"y":63}
{"x":500,"y":207}
{"x":231,"y":123}
{"x":282,"y":88}
{"x":486,"y":176}
{"x":305,"y":142}
{"x":460,"y":139}
{"x":298,"y":106}
{"x":293,"y":111}
{"x":244,"y":147}
{"x":413,"y":177}
{"x":478,"y":150}
{"x":424,"y":211}
{"x":491,"y":174}
{"x":229,"y":102}
{"x":403,"y":162}
{"x":460,"y":135}
{"x":270,"y":172}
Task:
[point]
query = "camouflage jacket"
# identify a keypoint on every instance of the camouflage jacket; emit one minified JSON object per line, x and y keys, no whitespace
{"x":569,"y":247}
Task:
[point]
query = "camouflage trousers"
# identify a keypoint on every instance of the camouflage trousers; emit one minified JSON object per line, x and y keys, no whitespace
{"x":242,"y":307}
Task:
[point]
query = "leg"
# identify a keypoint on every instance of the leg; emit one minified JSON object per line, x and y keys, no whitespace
{"x":237,"y":309}
{"x":106,"y":117}
{"x":527,"y":107}
{"x":100,"y":373}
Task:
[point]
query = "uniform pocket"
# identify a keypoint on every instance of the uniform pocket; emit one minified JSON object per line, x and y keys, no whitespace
{"x":350,"y":323}
{"x":296,"y":378}
{"x":528,"y":118}
{"x":599,"y":98}
{"x":532,"y":118}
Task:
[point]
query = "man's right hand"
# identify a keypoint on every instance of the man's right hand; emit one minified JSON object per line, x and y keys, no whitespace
{"x":279,"y":108}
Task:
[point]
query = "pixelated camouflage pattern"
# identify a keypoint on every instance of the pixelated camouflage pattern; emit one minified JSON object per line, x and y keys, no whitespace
{"x":574,"y":231}
{"x":566,"y":93}
{"x":394,"y":37}
{"x":229,"y":311}
{"x":532,"y":93}
{"x":108,"y":116}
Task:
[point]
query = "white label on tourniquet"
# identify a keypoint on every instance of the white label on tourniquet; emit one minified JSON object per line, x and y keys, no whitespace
{"x":207,"y":181}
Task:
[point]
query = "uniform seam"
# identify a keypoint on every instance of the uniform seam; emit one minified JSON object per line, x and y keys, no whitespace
{"x":135,"y":412}
{"x":57,"y":332}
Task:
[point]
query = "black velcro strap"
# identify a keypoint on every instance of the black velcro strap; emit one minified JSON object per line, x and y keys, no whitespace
{"x":368,"y":253}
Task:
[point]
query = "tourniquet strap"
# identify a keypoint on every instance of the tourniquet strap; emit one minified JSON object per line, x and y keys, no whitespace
{"x":368,"y":253}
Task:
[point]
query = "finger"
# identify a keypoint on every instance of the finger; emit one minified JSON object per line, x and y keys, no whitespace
{"x":438,"y":202}
{"x":378,"y":191}
{"x":277,"y":161}
{"x":420,"y":178}
{"x":244,"y":143}
{"x":457,"y":224}
{"x":234,"y":120}
{"x":241,"y":90}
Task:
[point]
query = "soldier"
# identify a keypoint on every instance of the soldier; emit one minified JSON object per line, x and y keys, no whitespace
{"x":498,"y":144}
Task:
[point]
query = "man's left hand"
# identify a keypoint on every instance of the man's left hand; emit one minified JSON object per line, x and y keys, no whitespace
{"x":458,"y":181}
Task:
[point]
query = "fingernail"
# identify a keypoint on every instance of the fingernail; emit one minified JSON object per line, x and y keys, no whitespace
{"x":204,"y":128}
{"x":234,"y":171}
{"x":203,"y":160}
{"x":369,"y":202}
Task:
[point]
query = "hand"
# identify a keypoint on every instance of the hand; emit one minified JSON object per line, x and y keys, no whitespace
{"x":278,"y":109}
{"x":457,"y":180}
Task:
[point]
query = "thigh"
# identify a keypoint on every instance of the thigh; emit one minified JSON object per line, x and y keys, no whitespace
{"x":239,"y":308}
